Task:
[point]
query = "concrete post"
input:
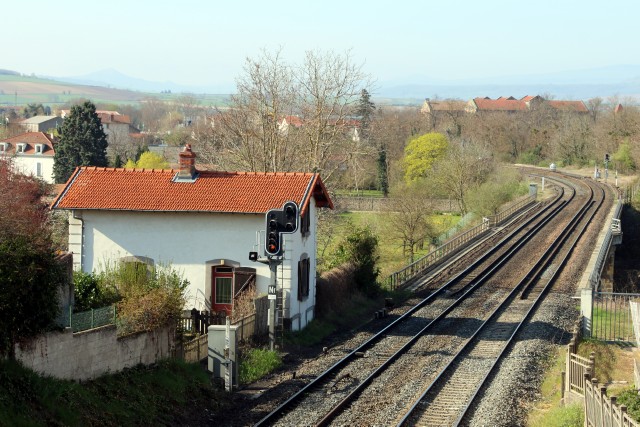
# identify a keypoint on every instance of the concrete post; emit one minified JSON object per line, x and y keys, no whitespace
{"x":586,"y":311}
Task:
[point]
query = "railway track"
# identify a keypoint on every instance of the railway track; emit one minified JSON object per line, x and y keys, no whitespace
{"x":448,"y":398}
{"x":353,"y":389}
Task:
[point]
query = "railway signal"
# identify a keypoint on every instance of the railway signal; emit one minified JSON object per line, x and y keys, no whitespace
{"x":278,"y":222}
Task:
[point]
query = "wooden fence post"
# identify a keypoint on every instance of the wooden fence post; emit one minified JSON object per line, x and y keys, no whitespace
{"x":587,"y":400}
{"x":612,"y":415}
{"x":194,"y":319}
{"x":603,"y":396}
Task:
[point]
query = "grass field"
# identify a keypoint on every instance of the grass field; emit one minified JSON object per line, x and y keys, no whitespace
{"x":391,"y":256}
{"x":22,"y":90}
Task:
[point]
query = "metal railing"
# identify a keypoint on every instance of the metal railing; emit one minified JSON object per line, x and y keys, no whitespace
{"x":594,"y":278}
{"x":400,"y":277}
{"x":611,"y":319}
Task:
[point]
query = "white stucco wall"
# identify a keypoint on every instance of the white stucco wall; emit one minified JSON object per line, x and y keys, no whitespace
{"x":189,"y":242}
{"x":27,"y":164}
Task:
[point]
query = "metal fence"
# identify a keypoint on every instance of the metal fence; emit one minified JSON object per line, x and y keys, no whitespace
{"x":89,"y":319}
{"x":403,"y":275}
{"x":594,"y":278}
{"x":611,"y":319}
{"x":599,"y":410}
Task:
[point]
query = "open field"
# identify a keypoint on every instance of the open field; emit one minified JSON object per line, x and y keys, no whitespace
{"x":21,"y":90}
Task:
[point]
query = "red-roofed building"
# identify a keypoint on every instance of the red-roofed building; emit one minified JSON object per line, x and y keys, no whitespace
{"x":526,"y":103}
{"x":508,"y":105}
{"x":203,"y":223}
{"x":32,"y":154}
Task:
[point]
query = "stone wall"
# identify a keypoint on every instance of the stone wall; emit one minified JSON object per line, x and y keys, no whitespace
{"x":89,"y":354}
{"x":368,"y":204}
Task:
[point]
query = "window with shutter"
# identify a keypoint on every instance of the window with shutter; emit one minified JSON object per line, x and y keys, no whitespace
{"x":303,"y":278}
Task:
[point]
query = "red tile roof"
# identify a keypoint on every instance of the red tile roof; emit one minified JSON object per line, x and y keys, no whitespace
{"x":105,"y":117}
{"x":512,"y":104}
{"x":31,"y":139}
{"x":501,"y":104}
{"x":156,"y":190}
{"x":294,"y":121}
{"x":577,"y":106}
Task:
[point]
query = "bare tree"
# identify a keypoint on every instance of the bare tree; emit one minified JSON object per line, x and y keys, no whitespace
{"x":408,"y":217}
{"x":286,"y":118}
{"x":465,"y":166}
{"x":249,"y":129}
{"x":152,"y":112}
{"x":330,"y":85}
{"x":595,"y":106}
{"x":574,"y":141}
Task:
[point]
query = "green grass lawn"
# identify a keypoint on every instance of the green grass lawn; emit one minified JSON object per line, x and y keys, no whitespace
{"x":612,"y":323}
{"x":390,"y":252}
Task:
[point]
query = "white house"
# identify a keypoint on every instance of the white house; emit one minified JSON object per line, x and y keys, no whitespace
{"x":32,"y":154}
{"x":203,"y":223}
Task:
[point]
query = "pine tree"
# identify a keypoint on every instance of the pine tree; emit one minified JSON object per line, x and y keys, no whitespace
{"x":383,"y":178}
{"x":366,"y":109}
{"x":82,"y":142}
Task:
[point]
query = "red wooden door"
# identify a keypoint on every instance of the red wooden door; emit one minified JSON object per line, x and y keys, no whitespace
{"x":222,"y":289}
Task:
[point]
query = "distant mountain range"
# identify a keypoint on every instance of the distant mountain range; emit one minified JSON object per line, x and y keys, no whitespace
{"x":622,"y":81}
{"x":115,"y":79}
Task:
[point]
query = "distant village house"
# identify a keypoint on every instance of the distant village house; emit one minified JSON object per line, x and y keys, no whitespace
{"x":32,"y":154}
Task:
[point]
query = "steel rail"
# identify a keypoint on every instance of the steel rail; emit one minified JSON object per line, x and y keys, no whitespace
{"x":276,"y":413}
{"x":468,"y":289}
{"x":544,"y":259}
{"x":535,"y":304}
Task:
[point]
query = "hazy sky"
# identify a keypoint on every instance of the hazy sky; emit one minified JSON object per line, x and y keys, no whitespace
{"x":195,"y":42}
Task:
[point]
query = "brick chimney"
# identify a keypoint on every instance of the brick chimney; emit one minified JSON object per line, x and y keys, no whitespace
{"x":187,"y":162}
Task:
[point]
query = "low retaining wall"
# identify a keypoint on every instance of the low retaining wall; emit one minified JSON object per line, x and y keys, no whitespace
{"x":89,"y":354}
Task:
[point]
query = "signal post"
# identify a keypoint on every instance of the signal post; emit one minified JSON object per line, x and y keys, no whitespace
{"x":278,"y":222}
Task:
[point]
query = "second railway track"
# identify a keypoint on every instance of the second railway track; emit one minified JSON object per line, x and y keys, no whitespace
{"x":379,"y":381}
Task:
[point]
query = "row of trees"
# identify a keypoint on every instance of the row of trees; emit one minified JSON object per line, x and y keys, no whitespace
{"x":546,"y":134}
